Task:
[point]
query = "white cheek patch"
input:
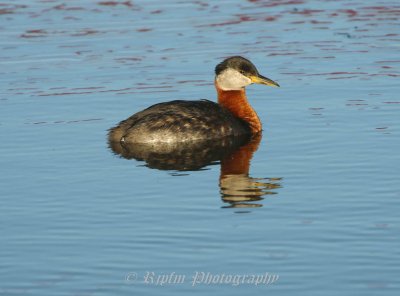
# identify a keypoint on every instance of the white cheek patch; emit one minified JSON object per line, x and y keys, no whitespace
{"x":232,"y":80}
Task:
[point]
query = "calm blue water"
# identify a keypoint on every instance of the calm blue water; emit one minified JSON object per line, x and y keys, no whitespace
{"x":76,"y":219}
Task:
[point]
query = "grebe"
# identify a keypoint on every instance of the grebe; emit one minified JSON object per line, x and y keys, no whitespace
{"x":181,"y":121}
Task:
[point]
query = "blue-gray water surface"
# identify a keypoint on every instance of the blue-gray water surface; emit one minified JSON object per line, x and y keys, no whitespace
{"x":322,"y":214}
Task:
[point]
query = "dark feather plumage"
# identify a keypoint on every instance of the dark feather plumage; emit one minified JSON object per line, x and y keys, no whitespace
{"x":178,"y":121}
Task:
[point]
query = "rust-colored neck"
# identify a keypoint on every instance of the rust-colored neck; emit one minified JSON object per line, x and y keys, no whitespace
{"x":236,"y":102}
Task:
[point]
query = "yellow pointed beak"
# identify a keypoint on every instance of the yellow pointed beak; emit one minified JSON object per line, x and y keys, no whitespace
{"x":263,"y":80}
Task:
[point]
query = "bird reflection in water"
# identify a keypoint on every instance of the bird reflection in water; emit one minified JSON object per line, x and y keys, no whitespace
{"x":234,"y":154}
{"x":236,"y":186}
